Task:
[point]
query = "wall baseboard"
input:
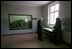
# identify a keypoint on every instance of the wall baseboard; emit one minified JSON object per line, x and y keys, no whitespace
{"x":17,"y":34}
{"x":64,"y":42}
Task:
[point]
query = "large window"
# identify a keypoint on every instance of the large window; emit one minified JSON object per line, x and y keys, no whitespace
{"x":53,"y":13}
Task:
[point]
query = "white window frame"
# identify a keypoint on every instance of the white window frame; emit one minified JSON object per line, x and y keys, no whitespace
{"x":53,"y":12}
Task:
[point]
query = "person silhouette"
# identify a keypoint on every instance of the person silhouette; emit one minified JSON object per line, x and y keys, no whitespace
{"x":58,"y":32}
{"x":39,"y":30}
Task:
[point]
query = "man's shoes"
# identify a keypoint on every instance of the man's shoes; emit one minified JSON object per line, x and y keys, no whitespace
{"x":57,"y":43}
{"x":40,"y":39}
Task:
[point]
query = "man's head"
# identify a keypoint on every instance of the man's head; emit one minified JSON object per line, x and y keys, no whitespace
{"x":57,"y":19}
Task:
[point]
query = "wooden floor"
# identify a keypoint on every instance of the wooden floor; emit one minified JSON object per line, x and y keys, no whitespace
{"x":27,"y":41}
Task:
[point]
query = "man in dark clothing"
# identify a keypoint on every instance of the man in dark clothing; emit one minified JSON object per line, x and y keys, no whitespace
{"x":39,"y":30}
{"x":57,"y":32}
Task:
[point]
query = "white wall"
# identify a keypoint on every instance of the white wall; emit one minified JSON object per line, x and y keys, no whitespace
{"x":13,"y":9}
{"x":65,"y":16}
{"x":45,"y":14}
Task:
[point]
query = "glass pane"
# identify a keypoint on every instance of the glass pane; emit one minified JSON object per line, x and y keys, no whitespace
{"x":51,"y":18}
{"x":56,"y":7}
{"x":56,"y":15}
{"x":52,"y":8}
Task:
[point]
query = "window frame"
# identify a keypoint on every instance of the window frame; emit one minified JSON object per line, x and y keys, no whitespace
{"x":49,"y":12}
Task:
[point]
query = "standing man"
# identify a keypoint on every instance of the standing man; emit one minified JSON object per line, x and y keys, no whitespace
{"x":58,"y":32}
{"x":39,"y":30}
